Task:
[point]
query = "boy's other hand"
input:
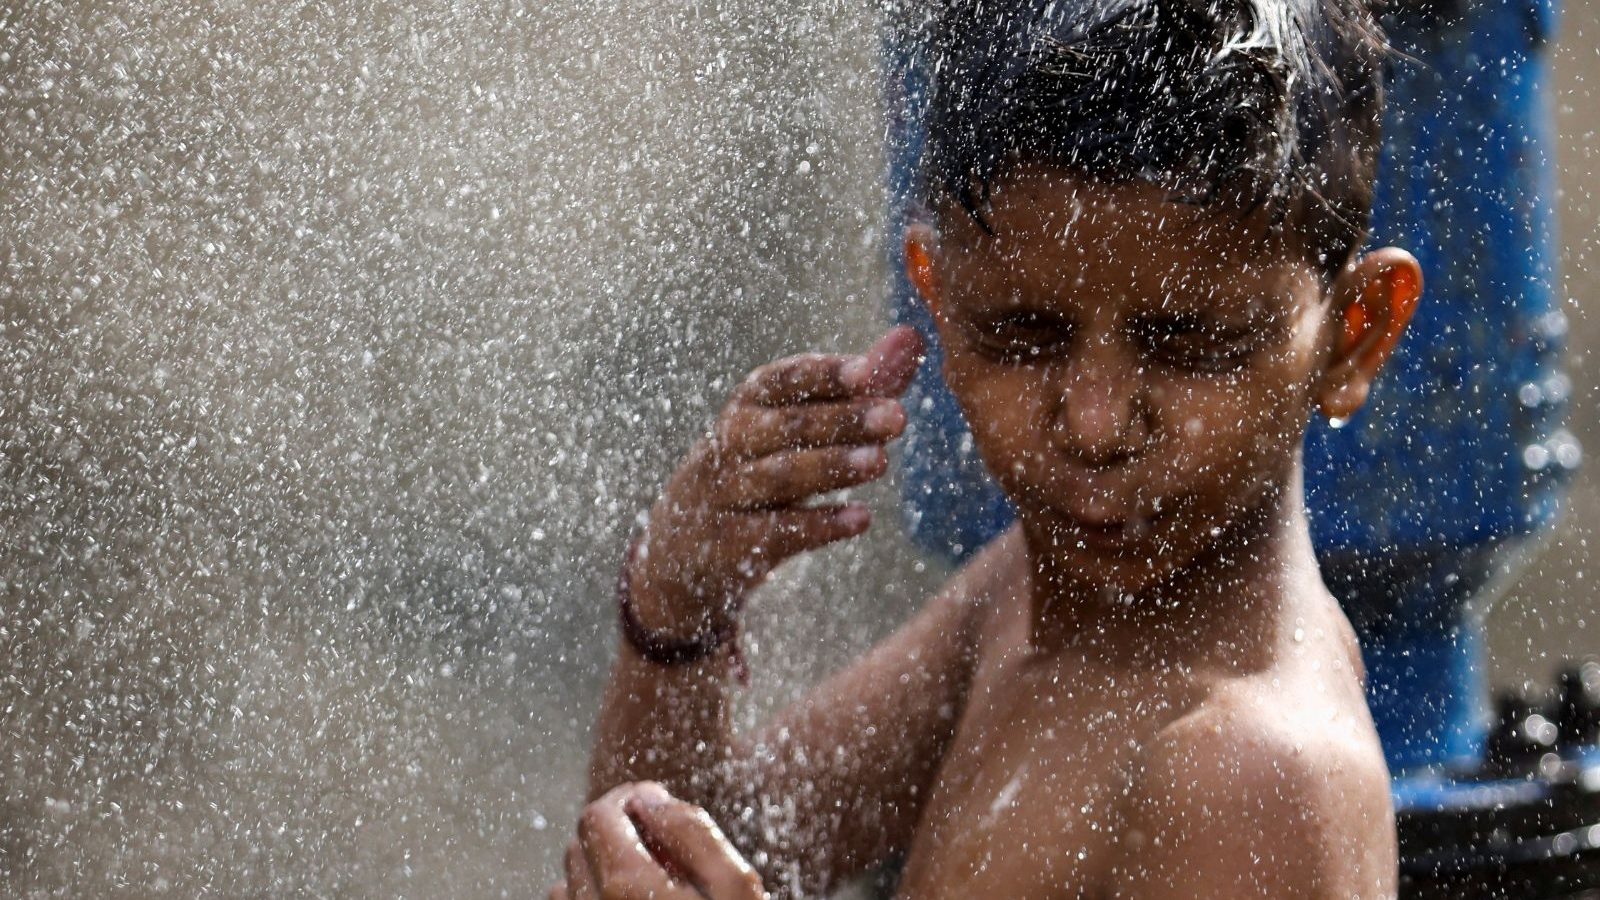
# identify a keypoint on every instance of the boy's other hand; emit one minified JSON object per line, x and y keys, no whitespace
{"x":741,"y":503}
{"x":640,"y":841}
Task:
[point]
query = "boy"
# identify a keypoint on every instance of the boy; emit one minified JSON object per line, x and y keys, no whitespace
{"x":1140,"y":252}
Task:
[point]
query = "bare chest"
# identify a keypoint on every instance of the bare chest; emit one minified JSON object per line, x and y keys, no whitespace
{"x":1028,"y":800}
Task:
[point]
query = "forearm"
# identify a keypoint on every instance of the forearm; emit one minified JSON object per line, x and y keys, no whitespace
{"x":664,"y":716}
{"x":829,"y":787}
{"x":744,"y":500}
{"x":663,"y":723}
{"x":670,"y":724}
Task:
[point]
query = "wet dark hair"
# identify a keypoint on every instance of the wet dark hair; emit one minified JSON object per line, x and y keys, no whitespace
{"x":1264,"y":102}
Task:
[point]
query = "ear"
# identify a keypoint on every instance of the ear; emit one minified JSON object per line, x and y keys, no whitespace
{"x":1377,"y":295}
{"x":922,"y":249}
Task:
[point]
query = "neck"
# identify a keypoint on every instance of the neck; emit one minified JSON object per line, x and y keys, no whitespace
{"x":1221,"y":608}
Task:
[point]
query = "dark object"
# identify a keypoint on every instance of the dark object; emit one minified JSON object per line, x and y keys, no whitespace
{"x":1517,"y":839}
{"x":1525,"y":824}
{"x":1579,"y":715}
{"x":1521,"y":738}
{"x":1524,"y":840}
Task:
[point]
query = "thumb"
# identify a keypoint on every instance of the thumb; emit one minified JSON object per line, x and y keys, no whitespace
{"x":888,"y":366}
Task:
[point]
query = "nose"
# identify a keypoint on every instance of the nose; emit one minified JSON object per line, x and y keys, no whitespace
{"x":1102,"y":415}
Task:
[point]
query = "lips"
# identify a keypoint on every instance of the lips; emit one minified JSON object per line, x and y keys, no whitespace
{"x":1098,"y":510}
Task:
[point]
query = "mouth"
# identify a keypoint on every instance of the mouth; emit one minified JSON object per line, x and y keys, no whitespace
{"x":1097,"y":515}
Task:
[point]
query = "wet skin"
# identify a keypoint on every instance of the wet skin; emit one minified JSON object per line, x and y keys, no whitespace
{"x":1137,"y":374}
{"x":1077,"y":773}
{"x":1142,"y":690}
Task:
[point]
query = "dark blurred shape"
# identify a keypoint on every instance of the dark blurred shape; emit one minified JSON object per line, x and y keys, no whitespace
{"x":1525,"y":823}
{"x":1579,"y":715}
{"x":1521,"y":737}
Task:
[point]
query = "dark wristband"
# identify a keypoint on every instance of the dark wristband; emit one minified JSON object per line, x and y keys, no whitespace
{"x":667,"y":651}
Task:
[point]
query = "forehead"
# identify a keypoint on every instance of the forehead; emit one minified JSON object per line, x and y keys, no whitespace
{"x":1054,"y":233}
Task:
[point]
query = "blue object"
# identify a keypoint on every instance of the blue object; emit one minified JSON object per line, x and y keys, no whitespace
{"x":1460,"y":453}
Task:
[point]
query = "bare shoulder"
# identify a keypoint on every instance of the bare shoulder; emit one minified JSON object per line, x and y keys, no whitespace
{"x":1243,"y":798}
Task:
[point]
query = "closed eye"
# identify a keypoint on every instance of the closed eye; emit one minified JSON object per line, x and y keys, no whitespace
{"x":1021,"y":336}
{"x":1190,"y":342}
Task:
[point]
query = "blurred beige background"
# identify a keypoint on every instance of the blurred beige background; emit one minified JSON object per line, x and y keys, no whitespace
{"x":340,"y":343}
{"x":1551,"y":612}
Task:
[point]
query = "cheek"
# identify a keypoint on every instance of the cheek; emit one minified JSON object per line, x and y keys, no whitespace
{"x":1002,"y":404}
{"x":1240,"y":427}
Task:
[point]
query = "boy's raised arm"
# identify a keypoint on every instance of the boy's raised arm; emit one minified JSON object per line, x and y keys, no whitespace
{"x":735,"y":509}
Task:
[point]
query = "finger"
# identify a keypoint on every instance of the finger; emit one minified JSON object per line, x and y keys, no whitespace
{"x":795,"y":531}
{"x":581,"y":882}
{"x":655,"y":791}
{"x":749,"y":430}
{"x":793,"y":475}
{"x":689,"y":835}
{"x":559,"y":892}
{"x":750,"y":545}
{"x":763,"y":540}
{"x":888,"y":366}
{"x":797,"y":379}
{"x":885,"y":370}
{"x":616,"y":854}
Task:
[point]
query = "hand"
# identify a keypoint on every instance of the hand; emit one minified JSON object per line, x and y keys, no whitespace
{"x":739,"y":504}
{"x":638,"y":841}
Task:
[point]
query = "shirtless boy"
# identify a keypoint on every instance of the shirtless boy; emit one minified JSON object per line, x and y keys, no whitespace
{"x":1140,"y":249}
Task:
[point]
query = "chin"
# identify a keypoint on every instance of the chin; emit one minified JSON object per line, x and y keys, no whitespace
{"x":1106,"y":559}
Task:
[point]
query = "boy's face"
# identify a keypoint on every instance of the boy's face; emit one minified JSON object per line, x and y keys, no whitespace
{"x":1137,"y":373}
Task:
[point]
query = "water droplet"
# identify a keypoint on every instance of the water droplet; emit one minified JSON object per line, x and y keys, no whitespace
{"x":1536,"y":456}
